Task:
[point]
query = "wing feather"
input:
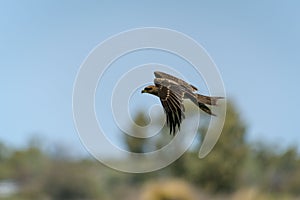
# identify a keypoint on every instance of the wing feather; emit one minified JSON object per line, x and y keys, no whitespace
{"x":179,"y":81}
{"x":171,"y":96}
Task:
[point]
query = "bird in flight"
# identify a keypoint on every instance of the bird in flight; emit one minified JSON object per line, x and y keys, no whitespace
{"x":171,"y":92}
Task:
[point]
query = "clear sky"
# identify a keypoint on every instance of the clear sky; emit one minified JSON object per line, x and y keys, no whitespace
{"x":255,"y":45}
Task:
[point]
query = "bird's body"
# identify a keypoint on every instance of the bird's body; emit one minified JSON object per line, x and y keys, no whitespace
{"x":171,"y":91}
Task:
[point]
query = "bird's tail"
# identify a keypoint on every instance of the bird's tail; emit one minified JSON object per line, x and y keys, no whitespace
{"x":202,"y":100}
{"x":207,"y":100}
{"x":205,"y":109}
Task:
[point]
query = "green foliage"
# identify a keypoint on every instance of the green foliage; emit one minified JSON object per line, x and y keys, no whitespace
{"x":278,"y":172}
{"x":221,"y":169}
{"x":67,"y":180}
{"x":233,"y":163}
{"x":40,"y":176}
{"x":4,"y":152}
{"x":135,"y":144}
{"x":27,"y":164}
{"x":234,"y":169}
{"x":142,"y":144}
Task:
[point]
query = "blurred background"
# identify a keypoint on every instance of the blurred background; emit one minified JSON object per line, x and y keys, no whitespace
{"x":256,"y":47}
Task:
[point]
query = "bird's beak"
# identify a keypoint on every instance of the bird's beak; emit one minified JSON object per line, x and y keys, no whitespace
{"x":143,"y":91}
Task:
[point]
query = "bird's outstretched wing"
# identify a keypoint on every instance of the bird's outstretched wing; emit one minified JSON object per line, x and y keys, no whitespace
{"x":179,"y":81}
{"x":171,"y":95}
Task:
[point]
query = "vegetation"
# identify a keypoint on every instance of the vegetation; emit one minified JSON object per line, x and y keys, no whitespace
{"x":235,"y":169}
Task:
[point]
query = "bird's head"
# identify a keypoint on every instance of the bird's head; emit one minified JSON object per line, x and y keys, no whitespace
{"x":151,"y":89}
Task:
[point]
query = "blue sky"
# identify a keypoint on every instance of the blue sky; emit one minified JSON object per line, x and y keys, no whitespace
{"x":255,"y":45}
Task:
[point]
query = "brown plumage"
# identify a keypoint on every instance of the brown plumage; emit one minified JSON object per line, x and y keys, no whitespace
{"x":171,"y":91}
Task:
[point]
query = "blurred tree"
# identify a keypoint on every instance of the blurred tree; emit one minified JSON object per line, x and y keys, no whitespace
{"x":70,"y":180}
{"x":28,"y":169}
{"x":279,"y":172}
{"x":27,"y":164}
{"x":220,"y":170}
{"x":233,"y":164}
{"x":4,"y":152}
{"x":134,"y":144}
